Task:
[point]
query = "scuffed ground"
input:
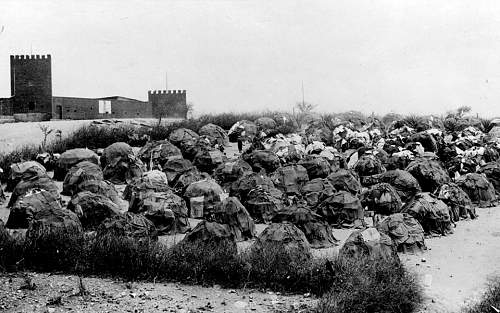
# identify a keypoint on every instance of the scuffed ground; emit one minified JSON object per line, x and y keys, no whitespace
{"x":459,"y":266}
{"x":106,"y":295}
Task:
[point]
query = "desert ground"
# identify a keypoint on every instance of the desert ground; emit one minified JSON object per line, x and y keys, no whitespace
{"x":454,"y":272}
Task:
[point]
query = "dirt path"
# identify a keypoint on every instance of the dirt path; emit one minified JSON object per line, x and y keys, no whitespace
{"x":459,"y":264}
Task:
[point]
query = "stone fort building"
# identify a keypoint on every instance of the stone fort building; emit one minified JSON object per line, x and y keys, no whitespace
{"x":32,"y":99}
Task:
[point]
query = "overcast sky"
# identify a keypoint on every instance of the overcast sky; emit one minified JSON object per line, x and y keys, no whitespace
{"x":384,"y":55}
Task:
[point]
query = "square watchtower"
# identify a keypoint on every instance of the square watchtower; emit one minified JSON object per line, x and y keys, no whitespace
{"x":31,"y":84}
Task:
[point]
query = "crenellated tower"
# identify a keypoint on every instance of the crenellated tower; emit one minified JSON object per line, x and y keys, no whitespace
{"x":168,"y":103}
{"x":31,"y":84}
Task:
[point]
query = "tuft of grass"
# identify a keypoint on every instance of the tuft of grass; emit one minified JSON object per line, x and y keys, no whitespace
{"x":122,"y":256}
{"x":485,"y":125}
{"x":11,"y":253}
{"x":21,"y":154}
{"x":364,"y":285}
{"x":205,"y":262}
{"x":417,"y":122}
{"x":277,"y":267}
{"x":49,"y":248}
{"x":489,"y":301}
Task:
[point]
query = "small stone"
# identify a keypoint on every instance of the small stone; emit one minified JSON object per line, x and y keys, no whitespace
{"x":240,"y":304}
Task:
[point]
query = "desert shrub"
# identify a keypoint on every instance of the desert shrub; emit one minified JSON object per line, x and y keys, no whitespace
{"x":21,"y":154}
{"x":226,"y":120}
{"x":490,"y":300}
{"x":204,"y":262}
{"x":11,"y":253}
{"x":356,"y":285}
{"x":364,"y":285}
{"x":329,"y":120}
{"x":485,"y":125}
{"x":277,"y":267}
{"x":357,"y":118}
{"x":93,"y":137}
{"x":190,"y":262}
{"x":417,"y":122}
{"x":454,"y":124}
{"x":53,"y":249}
{"x":122,"y":256}
{"x":391,"y":117}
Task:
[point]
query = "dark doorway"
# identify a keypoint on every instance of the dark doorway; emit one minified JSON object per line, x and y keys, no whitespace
{"x":59,"y":112}
{"x":31,"y":106}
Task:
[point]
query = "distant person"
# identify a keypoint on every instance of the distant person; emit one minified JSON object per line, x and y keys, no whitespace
{"x":240,"y":145}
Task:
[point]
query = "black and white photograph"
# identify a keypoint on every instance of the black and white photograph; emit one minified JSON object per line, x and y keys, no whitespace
{"x":238,"y":156}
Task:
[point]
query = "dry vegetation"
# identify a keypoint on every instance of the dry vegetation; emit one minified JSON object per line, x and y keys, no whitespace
{"x":344,"y":283}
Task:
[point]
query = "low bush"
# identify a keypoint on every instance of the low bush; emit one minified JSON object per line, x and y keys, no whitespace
{"x":121,"y":256}
{"x":485,"y":124}
{"x":205,"y":263}
{"x":52,"y":249}
{"x":11,"y":253}
{"x":197,"y":262}
{"x":226,"y":120}
{"x":363,"y":285}
{"x":277,"y":267}
{"x":93,"y":137}
{"x":21,"y":154}
{"x":490,"y":300}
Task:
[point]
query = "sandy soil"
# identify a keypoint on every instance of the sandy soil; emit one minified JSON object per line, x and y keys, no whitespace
{"x":106,"y":295}
{"x":459,"y":265}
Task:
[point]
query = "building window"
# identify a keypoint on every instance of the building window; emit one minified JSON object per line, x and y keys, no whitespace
{"x":31,"y":105}
{"x":105,"y":106}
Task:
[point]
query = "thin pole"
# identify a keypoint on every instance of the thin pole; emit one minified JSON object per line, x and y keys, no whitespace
{"x":303,"y":98}
{"x":166,"y":81}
